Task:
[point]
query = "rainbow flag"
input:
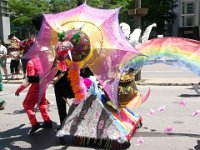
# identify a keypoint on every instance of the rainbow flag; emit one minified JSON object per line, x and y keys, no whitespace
{"x":174,"y":51}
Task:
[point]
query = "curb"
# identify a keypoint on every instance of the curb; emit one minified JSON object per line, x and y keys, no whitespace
{"x":12,"y":82}
{"x":141,"y":82}
{"x":165,"y":84}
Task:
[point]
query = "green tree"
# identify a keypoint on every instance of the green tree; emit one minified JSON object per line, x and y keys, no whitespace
{"x":160,"y":12}
{"x":61,"y":5}
{"x":22,"y":11}
{"x":111,"y":4}
{"x":21,"y":14}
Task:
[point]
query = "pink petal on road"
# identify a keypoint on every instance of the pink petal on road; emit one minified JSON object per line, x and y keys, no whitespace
{"x":152,"y":112}
{"x":162,"y":108}
{"x":197,"y":112}
{"x":140,"y":141}
{"x":182,"y":103}
{"x":168,"y":130}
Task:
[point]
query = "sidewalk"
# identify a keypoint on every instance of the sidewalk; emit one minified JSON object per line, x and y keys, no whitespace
{"x":146,"y":80}
{"x":13,"y":81}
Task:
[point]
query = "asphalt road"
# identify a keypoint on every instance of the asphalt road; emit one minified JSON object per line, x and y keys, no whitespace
{"x":185,"y":133}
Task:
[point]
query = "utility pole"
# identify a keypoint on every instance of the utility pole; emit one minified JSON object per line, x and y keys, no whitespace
{"x":4,"y":21}
{"x":137,"y":16}
{"x":137,"y":13}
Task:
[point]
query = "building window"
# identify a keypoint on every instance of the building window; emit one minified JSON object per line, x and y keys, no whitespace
{"x":199,"y":13}
{"x":188,"y":8}
{"x":188,"y":20}
{"x":188,"y":13}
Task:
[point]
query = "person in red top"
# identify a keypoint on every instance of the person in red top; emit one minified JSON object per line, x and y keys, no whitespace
{"x":31,"y":98}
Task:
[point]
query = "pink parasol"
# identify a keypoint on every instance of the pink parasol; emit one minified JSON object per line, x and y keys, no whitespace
{"x":101,"y":45}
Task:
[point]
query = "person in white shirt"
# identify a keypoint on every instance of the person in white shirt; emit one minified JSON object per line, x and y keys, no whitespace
{"x":15,"y":59}
{"x":3,"y":59}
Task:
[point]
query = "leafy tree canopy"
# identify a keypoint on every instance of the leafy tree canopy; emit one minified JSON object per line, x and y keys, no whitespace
{"x":160,"y":12}
{"x":22,"y":11}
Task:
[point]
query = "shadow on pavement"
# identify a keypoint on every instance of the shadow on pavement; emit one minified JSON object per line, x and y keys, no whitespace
{"x":98,"y":144}
{"x":18,"y":139}
{"x":189,"y":95}
{"x":197,"y":147}
{"x":21,"y":111}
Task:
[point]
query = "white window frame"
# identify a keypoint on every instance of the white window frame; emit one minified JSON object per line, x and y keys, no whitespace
{"x":184,"y":14}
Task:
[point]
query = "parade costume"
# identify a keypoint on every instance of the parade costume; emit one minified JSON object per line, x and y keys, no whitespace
{"x":183,"y":51}
{"x":88,"y":44}
{"x":101,"y":116}
{"x":31,"y":98}
{"x":24,"y":47}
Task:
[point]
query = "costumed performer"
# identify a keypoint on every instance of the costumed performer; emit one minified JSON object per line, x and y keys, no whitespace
{"x":63,"y":91}
{"x":63,"y":81}
{"x":31,"y":98}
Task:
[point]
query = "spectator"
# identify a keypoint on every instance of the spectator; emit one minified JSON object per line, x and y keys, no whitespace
{"x":14,"y":48}
{"x":14,"y":64}
{"x":3,"y":58}
{"x":2,"y":102}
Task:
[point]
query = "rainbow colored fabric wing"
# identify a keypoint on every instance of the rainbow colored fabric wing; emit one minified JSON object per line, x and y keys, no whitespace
{"x":107,"y":55}
{"x":174,"y":51}
{"x":99,"y":123}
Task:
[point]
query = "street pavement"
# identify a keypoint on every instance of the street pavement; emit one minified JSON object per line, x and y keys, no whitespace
{"x":14,"y":124}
